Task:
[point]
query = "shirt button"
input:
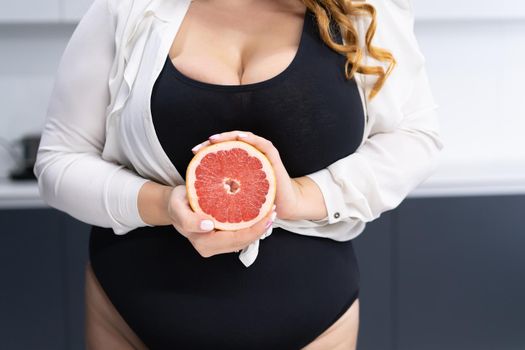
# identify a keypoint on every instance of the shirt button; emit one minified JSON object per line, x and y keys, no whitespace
{"x":336,"y":215}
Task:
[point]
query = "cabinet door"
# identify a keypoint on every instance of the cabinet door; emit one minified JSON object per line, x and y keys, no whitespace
{"x":43,"y":255}
{"x":374,"y":252}
{"x":76,"y":243}
{"x":32,"y":292}
{"x":30,"y":11}
{"x":74,"y":10}
{"x":460,"y":275}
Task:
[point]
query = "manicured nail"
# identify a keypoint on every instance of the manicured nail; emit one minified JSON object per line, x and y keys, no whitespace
{"x":197,"y":147}
{"x":274,"y":206}
{"x":268,"y":224}
{"x":215,"y":136}
{"x":274,"y":214}
{"x":241,"y":134}
{"x":206,"y":225}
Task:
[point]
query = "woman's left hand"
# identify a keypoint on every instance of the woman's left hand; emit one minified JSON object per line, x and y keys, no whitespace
{"x":288,"y":193}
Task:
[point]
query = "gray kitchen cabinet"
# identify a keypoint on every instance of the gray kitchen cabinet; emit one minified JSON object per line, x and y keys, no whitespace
{"x":460,"y":274}
{"x":32,"y":290}
{"x":373,"y":248}
{"x":439,"y":273}
{"x":42,"y":256}
{"x":76,"y":241}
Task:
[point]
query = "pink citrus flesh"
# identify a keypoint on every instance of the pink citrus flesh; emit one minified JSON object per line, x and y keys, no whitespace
{"x":233,"y":182}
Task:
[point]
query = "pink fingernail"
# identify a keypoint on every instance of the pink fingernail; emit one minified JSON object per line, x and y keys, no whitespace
{"x":268,"y":224}
{"x":214,"y":137}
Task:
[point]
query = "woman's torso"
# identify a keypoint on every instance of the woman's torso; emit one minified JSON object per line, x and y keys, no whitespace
{"x":309,"y":111}
{"x":298,"y":285}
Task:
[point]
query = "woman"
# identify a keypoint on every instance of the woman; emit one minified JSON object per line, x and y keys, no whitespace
{"x":142,"y":82}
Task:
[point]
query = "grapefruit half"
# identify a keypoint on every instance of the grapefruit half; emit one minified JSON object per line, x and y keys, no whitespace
{"x":233,"y":182}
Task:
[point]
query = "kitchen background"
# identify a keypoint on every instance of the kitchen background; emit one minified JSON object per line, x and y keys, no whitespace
{"x":444,"y":270}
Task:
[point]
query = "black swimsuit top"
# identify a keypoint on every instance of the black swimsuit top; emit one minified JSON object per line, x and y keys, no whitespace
{"x":310,"y":112}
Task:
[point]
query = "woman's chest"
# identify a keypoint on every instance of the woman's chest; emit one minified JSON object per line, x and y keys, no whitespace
{"x":305,"y":114}
{"x":312,"y":118}
{"x":309,"y":110}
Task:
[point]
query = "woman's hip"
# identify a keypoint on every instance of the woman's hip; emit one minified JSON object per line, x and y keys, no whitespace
{"x":169,"y":294}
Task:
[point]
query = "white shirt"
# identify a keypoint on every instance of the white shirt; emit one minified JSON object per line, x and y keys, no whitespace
{"x":99,"y":146}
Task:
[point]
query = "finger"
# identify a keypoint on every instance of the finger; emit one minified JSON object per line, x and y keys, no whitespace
{"x":268,"y":232}
{"x":238,"y":239}
{"x":262,"y":144}
{"x":258,"y":230}
{"x":200,"y":146}
{"x":220,"y":137}
{"x":226,"y":136}
{"x":189,"y":220}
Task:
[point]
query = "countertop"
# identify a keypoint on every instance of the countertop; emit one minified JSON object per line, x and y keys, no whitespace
{"x":448,"y":181}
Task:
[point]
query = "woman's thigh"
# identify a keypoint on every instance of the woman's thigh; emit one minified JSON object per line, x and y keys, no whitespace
{"x":341,"y":335}
{"x":105,"y":328}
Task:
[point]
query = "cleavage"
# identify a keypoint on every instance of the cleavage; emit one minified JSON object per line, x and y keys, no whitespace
{"x":237,"y":53}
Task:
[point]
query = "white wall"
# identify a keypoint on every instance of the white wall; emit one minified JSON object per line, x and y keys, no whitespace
{"x":468,"y":10}
{"x":43,"y":11}
{"x":474,"y":51}
{"x":475,"y":62}
{"x":29,"y":55}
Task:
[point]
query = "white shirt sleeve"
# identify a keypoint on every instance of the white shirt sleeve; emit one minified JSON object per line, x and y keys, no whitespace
{"x":387,"y":166}
{"x":72,"y":176}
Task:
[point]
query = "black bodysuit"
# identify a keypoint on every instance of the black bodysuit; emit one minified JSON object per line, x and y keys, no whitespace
{"x":299,"y":285}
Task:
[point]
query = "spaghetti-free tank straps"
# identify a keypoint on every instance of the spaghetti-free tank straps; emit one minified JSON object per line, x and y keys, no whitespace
{"x":309,"y":111}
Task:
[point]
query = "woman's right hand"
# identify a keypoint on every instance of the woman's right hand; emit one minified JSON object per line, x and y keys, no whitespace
{"x":206,"y":240}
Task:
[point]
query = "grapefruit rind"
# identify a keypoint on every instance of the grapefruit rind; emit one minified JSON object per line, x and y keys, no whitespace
{"x":267,"y":167}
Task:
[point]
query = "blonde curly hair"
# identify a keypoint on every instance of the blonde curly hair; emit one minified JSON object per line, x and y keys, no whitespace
{"x":341,"y":11}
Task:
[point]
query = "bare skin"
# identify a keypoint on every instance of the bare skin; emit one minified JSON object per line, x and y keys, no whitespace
{"x":227,"y":43}
{"x":230,"y":44}
{"x":105,"y":328}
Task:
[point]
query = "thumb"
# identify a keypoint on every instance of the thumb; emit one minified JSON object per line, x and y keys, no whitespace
{"x":193,"y":221}
{"x":196,"y":221}
{"x":203,"y":223}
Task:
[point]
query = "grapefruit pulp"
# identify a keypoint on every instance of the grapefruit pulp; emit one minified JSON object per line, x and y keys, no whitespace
{"x":233,"y":182}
